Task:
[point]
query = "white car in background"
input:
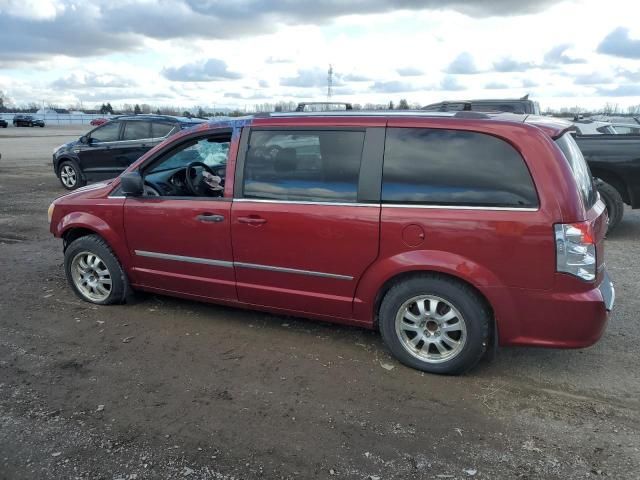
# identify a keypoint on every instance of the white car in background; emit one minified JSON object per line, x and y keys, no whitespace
{"x":595,"y":127}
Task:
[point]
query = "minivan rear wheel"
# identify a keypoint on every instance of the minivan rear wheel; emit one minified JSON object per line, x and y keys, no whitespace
{"x":435,"y":324}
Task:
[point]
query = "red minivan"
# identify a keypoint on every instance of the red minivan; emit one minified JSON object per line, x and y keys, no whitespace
{"x":451,"y":233}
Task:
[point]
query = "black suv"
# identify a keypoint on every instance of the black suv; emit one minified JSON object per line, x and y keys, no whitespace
{"x":512,"y":105}
{"x":107,"y":150}
{"x":27,"y":121}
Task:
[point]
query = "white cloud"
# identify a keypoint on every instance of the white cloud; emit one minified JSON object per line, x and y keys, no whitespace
{"x":457,"y":50}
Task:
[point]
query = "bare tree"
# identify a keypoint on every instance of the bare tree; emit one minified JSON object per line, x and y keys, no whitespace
{"x":403,"y":104}
{"x":633,"y":110}
{"x":4,"y":101}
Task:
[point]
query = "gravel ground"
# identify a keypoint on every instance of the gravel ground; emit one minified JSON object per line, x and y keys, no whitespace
{"x":166,"y":388}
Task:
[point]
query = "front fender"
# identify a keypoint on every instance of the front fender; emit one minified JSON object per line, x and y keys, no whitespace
{"x":112,"y":234}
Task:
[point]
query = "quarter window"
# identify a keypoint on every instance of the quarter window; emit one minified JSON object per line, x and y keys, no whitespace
{"x":160,"y":130}
{"x":317,"y":166}
{"x":579,"y":168}
{"x":136,"y":131}
{"x":453,"y":167}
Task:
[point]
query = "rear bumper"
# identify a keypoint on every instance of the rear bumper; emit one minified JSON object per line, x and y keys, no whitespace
{"x":608,"y":292}
{"x":557,"y":319}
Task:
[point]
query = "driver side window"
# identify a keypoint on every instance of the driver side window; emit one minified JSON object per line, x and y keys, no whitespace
{"x":109,"y":132}
{"x":196,"y":168}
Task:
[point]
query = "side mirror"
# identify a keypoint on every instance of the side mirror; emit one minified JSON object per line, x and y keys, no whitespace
{"x":86,"y":140}
{"x":132,"y":184}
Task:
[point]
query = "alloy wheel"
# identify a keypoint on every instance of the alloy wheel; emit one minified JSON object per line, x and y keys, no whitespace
{"x":91,"y":276}
{"x":68,"y":176}
{"x":431,"y":329}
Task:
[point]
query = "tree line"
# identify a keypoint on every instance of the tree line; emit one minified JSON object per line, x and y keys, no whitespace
{"x":6,"y":105}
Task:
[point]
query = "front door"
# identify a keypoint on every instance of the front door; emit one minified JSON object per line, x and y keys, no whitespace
{"x":96,"y":156}
{"x":178,"y":233}
{"x":303,"y":233}
{"x":136,"y":141}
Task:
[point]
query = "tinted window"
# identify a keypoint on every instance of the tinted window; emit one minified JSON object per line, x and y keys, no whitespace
{"x":579,"y":168}
{"x":450,"y":167}
{"x":109,"y":132}
{"x":136,"y":131}
{"x":159,"y":130}
{"x":319,"y":166}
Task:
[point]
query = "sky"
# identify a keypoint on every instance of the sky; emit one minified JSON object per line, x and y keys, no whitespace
{"x":237,"y":53}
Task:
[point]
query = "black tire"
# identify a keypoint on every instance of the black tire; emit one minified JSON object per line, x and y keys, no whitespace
{"x":96,"y":245}
{"x":615,"y":205}
{"x":69,"y":180}
{"x":475,"y":316}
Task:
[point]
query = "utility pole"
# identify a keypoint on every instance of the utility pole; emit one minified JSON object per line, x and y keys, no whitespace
{"x":329,"y":83}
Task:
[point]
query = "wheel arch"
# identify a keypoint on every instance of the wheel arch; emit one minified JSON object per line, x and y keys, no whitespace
{"x":403,"y":276}
{"x":380,"y":277}
{"x":68,"y":158}
{"x":80,"y":224}
{"x":73,"y":233}
{"x":494,"y":339}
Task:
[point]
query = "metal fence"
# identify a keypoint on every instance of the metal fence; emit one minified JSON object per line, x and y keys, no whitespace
{"x":58,"y":118}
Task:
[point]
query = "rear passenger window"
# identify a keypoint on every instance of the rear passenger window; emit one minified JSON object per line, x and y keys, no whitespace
{"x":316,"y":166}
{"x":160,"y":130}
{"x":453,"y":167}
{"x":136,"y":131}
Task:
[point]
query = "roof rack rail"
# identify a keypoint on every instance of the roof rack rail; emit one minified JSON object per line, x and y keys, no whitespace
{"x":377,"y":113}
{"x":357,"y":113}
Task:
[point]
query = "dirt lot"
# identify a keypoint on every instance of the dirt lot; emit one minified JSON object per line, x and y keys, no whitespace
{"x":165,"y":388}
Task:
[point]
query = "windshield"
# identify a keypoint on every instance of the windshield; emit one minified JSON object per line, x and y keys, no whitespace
{"x":579,"y":168}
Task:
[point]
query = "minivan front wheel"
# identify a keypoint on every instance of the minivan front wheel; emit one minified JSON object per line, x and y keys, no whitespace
{"x":94,"y":272}
{"x":435,"y":324}
{"x":70,"y":178}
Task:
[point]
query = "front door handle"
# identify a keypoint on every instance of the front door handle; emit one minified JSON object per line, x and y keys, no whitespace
{"x":210,"y":217}
{"x":252,"y":220}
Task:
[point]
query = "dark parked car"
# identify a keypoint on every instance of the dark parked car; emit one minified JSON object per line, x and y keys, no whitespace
{"x":3,"y":123}
{"x":511,"y":105}
{"x":449,"y":234}
{"x":615,"y":162}
{"x":27,"y":121}
{"x":106,"y":151}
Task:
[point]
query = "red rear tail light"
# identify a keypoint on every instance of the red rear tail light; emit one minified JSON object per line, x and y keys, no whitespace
{"x":576,"y":250}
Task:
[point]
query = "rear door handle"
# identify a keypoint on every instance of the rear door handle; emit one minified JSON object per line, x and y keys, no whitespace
{"x":210,"y":217}
{"x":252,"y":220}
